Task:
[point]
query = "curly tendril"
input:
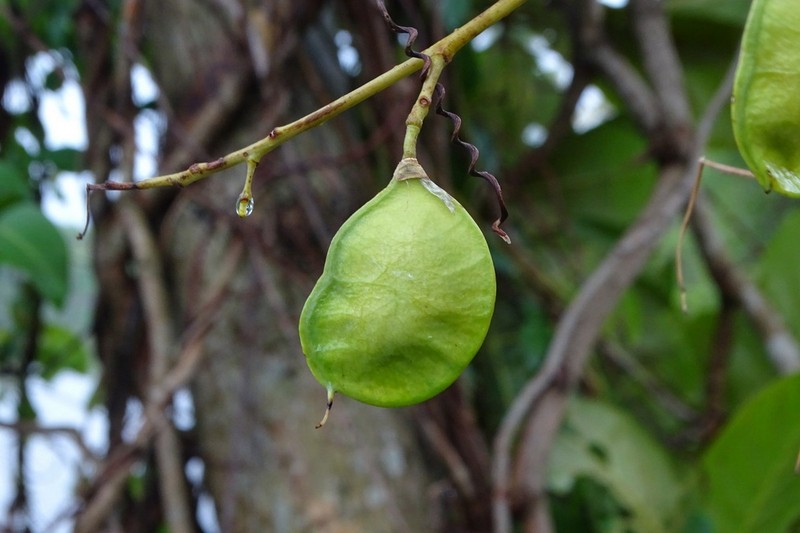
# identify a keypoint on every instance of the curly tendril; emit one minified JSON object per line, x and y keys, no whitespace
{"x":474,"y":155}
{"x":412,"y":36}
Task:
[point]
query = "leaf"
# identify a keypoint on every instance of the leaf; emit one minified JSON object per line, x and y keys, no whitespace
{"x":13,"y":186}
{"x":778,"y":271}
{"x":606,"y":188}
{"x":602,"y":443}
{"x":64,"y":158}
{"x":751,"y":484}
{"x":727,"y":11}
{"x":31,"y":243}
{"x":60,"y":349}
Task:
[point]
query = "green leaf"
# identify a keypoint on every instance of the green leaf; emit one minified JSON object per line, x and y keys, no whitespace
{"x":602,"y":443}
{"x":60,"y":349}
{"x":64,"y":158}
{"x":751,"y":484}
{"x":13,"y":184}
{"x":727,"y":11}
{"x":31,"y":243}
{"x":605,"y":191}
{"x":778,"y":271}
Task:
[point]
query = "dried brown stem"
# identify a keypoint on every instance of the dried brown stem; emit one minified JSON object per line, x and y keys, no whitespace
{"x":681,"y":235}
{"x":412,"y":36}
{"x":474,"y":154}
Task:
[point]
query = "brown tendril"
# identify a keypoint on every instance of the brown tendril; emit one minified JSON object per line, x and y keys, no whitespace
{"x":412,"y":36}
{"x":474,"y":154}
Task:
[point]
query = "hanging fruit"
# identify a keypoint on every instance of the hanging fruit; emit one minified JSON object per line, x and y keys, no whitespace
{"x":405,"y":298}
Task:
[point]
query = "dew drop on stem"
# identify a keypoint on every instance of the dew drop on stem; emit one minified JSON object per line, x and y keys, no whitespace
{"x":244,"y":206}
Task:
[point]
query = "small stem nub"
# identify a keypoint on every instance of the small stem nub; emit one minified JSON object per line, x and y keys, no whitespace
{"x":328,"y":406}
{"x":105,"y":186}
{"x":244,"y":205}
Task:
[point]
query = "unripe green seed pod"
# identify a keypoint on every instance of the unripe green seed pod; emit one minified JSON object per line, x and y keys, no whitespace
{"x":766,"y":107}
{"x":405,"y":298}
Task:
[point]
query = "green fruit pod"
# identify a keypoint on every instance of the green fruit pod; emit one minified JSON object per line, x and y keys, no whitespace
{"x":405,"y":298}
{"x":766,"y":106}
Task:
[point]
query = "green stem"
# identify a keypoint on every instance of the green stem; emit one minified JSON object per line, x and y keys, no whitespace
{"x":244,"y":204}
{"x":444,"y":49}
{"x":421,"y":107}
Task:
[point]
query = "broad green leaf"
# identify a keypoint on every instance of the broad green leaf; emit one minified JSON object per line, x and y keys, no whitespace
{"x":64,"y":158}
{"x":751,"y":485}
{"x":778,"y":271}
{"x":13,"y":186}
{"x":30,"y":242}
{"x":726,"y":11}
{"x":602,"y":443}
{"x":607,"y":186}
{"x":60,"y":349}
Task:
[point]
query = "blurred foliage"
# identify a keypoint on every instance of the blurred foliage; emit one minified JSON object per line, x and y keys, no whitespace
{"x":30,"y":243}
{"x":40,"y":332}
{"x":625,"y":460}
{"x":601,"y":443}
{"x":748,"y":479}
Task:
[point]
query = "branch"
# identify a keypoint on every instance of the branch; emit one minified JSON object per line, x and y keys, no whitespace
{"x":446,"y":47}
{"x":718,"y":361}
{"x":587,"y":18}
{"x":161,"y":341}
{"x":661,"y":60}
{"x":30,"y":427}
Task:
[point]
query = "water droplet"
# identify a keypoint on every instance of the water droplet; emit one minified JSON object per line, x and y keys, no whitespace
{"x":244,"y":206}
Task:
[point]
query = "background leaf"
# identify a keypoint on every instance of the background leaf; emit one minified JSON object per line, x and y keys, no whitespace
{"x":13,"y":186}
{"x":750,"y":482}
{"x":602,"y":443}
{"x":61,"y":349}
{"x":31,"y":243}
